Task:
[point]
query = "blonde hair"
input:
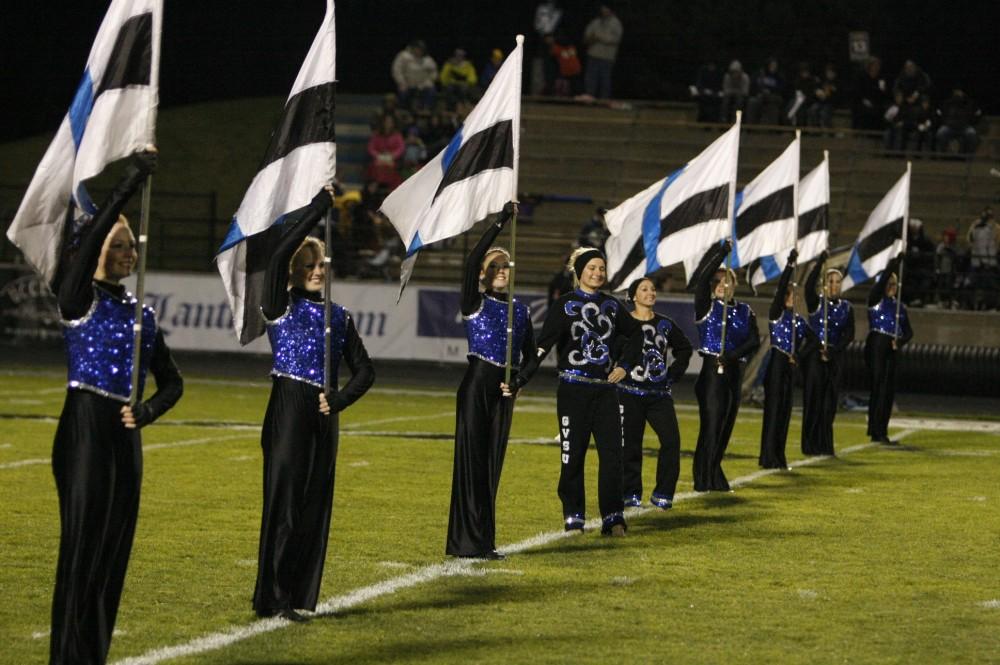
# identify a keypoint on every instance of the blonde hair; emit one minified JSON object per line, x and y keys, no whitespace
{"x":298,"y":258}
{"x":496,"y":249}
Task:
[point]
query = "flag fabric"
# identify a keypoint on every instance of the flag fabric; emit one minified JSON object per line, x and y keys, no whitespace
{"x":813,"y":234}
{"x":765,"y":210}
{"x":112,"y":115}
{"x":881,"y":239}
{"x":473,"y":177}
{"x":300,"y":159}
{"x":675,"y":219}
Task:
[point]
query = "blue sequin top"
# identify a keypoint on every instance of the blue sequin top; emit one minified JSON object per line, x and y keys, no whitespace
{"x":297,"y":340}
{"x":710,"y":327}
{"x":838,"y":312}
{"x":882,"y":317}
{"x":486,"y":331}
{"x":781,"y":332}
{"x":651,"y":377}
{"x":99,"y":346}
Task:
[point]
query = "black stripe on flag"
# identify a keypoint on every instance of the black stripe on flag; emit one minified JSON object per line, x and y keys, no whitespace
{"x":131,"y":57}
{"x":259,"y":249}
{"x":880,"y":239}
{"x":308,"y":118}
{"x":817,"y":219}
{"x":776,"y":205}
{"x":492,"y":148}
{"x":702,"y":207}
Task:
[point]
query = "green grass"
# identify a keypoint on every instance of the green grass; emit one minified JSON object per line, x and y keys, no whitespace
{"x":879,"y":556}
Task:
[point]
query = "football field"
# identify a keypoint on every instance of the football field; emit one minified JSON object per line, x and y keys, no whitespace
{"x":880,"y":555}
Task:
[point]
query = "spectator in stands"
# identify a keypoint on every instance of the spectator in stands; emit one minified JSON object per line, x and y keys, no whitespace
{"x":827,"y":95}
{"x":390,"y":106}
{"x":594,"y":233}
{"x":765,"y":106}
{"x":568,"y":67}
{"x":804,"y":87}
{"x":561,"y":282}
{"x":958,"y":115}
{"x":983,"y":237}
{"x":414,"y":153}
{"x":385,"y":148}
{"x":912,"y":82}
{"x":735,"y":88}
{"x":548,"y":17}
{"x":920,"y":252}
{"x":458,"y":78}
{"x":707,"y":92}
{"x":909,"y":125}
{"x":602,"y":37}
{"x":491,"y":68}
{"x":945,"y":268}
{"x":415,"y":73}
{"x":871,"y":98}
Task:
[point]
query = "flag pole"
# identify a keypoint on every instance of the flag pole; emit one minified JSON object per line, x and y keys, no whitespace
{"x":826,"y":158}
{"x":795,"y":228}
{"x":729,"y":257}
{"x":140,"y":288}
{"x":327,"y":278}
{"x":513,"y":224}
{"x":906,"y":226}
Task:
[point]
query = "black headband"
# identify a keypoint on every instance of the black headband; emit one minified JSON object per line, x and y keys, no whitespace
{"x":581,"y":261}
{"x":634,"y":286}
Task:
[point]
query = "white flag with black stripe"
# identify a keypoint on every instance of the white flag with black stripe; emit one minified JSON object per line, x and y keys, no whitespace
{"x":473,"y":177}
{"x":765,"y":210}
{"x":813,"y":231}
{"x":881,"y":239}
{"x":300,"y":159}
{"x":675,"y":219}
{"x":112,"y":115}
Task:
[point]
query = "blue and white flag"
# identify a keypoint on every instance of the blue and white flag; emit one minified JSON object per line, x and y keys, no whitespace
{"x":112,"y":115}
{"x":883,"y":236}
{"x":813,"y":235}
{"x":473,"y":177}
{"x":765,"y":210}
{"x":675,"y":219}
{"x":300,"y":159}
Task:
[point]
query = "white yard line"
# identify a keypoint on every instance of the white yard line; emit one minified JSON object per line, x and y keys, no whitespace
{"x":427,"y":574}
{"x":145,"y":448}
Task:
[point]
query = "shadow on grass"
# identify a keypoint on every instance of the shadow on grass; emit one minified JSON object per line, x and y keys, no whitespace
{"x":493,"y":590}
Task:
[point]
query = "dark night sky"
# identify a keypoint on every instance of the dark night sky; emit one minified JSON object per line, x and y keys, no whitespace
{"x":218,"y":49}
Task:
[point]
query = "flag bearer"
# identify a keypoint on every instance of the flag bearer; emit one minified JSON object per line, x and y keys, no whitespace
{"x":888,"y":330}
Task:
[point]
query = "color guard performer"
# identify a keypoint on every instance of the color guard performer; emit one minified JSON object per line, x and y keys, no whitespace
{"x":97,"y":455}
{"x":483,"y":419}
{"x":886,"y":335}
{"x":583,"y":324}
{"x":727,"y":331}
{"x":301,"y":427}
{"x":832,"y":321}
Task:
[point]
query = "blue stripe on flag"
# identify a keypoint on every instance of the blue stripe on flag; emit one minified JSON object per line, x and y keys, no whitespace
{"x":854,"y":268}
{"x":651,"y":223}
{"x":79,"y":110}
{"x":83,"y":200}
{"x":415,"y":245}
{"x":451,"y":151}
{"x":235,"y":235}
{"x":770,"y":268}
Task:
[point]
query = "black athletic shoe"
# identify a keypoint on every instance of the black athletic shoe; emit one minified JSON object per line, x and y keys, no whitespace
{"x":493,"y":555}
{"x":289,"y":614}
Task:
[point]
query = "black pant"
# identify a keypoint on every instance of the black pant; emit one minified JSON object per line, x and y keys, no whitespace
{"x":584,"y":410}
{"x":482,"y":426}
{"x":819,"y":402}
{"x":97,"y":464}
{"x":658,"y":411}
{"x":300,"y":456}
{"x":718,"y":403}
{"x":777,"y":410}
{"x":880,"y":358}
